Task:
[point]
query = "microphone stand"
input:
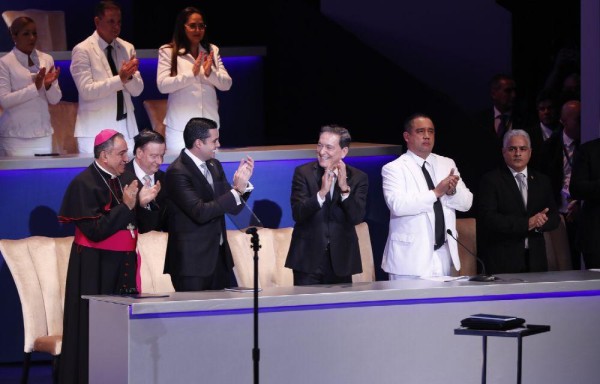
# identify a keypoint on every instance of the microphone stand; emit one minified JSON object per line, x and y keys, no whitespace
{"x":255,"y":350}
{"x":480,"y":277}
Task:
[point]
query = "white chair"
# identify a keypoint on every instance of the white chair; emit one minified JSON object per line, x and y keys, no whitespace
{"x":39,"y":268}
{"x":275,"y":244}
{"x":271,"y":257}
{"x":466,"y":231}
{"x":153,"y":248}
{"x":51,"y":27}
{"x":62,"y":117}
{"x":557,"y":248}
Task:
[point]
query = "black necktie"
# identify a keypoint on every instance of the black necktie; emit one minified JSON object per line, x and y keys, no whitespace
{"x":503,"y":125}
{"x":440,"y":225}
{"x":113,"y":69}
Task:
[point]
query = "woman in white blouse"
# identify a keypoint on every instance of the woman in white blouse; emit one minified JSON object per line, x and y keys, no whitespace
{"x":28,"y":82}
{"x":189,"y":70}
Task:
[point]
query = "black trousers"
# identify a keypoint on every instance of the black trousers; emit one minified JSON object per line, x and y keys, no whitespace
{"x":220,"y":278}
{"x":323,"y":275}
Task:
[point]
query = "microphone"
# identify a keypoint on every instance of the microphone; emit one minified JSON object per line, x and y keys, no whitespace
{"x":481,"y":277}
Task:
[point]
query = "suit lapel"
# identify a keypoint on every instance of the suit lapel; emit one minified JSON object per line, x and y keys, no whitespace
{"x":419,"y":178}
{"x":318,"y":176}
{"x":101,"y":56}
{"x":417,"y":174}
{"x":195,"y":171}
{"x":532,"y":188}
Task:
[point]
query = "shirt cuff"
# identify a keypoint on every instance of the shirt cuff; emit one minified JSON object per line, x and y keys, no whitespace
{"x":321,"y":201}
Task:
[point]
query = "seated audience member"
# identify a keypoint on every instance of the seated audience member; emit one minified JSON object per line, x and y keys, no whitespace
{"x":148,"y":155}
{"x":423,"y":190}
{"x":585,"y":186}
{"x":28,"y":82}
{"x":199,"y":195}
{"x":328,"y":199}
{"x":516,"y":205}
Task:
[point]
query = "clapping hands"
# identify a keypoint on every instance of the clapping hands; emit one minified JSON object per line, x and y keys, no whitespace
{"x":242,"y":174}
{"x":204,"y":60}
{"x":128,"y":69}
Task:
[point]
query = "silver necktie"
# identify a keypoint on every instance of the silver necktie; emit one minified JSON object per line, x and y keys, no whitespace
{"x":522,"y":187}
{"x":207,"y":174}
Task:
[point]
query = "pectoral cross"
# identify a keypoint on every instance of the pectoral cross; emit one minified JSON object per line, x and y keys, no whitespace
{"x":131,"y":227}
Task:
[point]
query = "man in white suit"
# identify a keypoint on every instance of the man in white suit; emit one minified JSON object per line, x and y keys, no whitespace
{"x":105,"y":71}
{"x":417,"y":241}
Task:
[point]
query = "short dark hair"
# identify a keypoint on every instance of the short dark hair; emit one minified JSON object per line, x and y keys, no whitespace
{"x":497,"y":78}
{"x":19,"y":23}
{"x":345,"y":138}
{"x":197,"y":128}
{"x":147,"y":136}
{"x":408,"y":122}
{"x":107,"y":145}
{"x":102,"y":6}
{"x":547,"y":94}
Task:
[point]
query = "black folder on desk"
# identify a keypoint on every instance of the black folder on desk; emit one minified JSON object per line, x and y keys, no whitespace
{"x":492,"y":322}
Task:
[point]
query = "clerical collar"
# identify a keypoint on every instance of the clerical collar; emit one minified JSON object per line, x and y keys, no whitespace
{"x":104,"y":170}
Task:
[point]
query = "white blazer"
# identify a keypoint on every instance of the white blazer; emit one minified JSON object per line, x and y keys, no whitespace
{"x":25,"y":107}
{"x":98,"y":87}
{"x":409,"y":247}
{"x":189,"y":95}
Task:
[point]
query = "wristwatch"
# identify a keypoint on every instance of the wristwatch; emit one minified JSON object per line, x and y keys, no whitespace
{"x":344,"y":192}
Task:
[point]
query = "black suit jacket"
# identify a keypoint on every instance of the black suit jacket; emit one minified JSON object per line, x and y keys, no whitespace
{"x":196,"y":217}
{"x":585,"y":185}
{"x":154,"y":219}
{"x":538,"y":144}
{"x":332,"y":223}
{"x":488,"y":150}
{"x":503,"y":221}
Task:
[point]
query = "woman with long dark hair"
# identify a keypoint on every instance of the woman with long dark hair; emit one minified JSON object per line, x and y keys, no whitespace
{"x":190,"y":71}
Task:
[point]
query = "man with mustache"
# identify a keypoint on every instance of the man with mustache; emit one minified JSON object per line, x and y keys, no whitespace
{"x":515,"y":206}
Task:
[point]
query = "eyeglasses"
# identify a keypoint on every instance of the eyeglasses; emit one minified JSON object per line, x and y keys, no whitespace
{"x":199,"y":26}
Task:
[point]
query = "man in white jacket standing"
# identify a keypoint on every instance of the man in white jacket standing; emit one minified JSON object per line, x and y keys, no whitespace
{"x":422,"y":191}
{"x":105,"y":71}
